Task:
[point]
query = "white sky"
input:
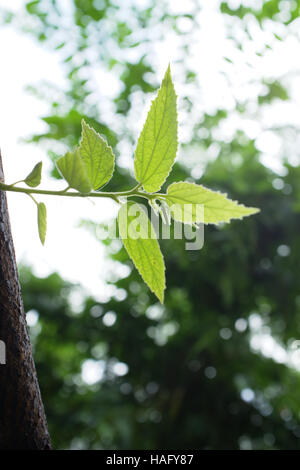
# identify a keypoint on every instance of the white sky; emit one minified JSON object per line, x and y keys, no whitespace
{"x":71,"y":251}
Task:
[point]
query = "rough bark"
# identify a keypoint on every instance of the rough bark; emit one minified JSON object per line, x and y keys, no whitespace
{"x":22,"y":418}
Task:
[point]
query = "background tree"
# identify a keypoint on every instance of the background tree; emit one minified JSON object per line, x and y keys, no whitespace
{"x":22,"y":417}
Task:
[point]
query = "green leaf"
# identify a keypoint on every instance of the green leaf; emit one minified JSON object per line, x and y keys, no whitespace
{"x":42,"y":221}
{"x":35,"y":176}
{"x":71,"y":167}
{"x":217,"y":207}
{"x":97,"y":156}
{"x":157,"y":144}
{"x":141,"y":243}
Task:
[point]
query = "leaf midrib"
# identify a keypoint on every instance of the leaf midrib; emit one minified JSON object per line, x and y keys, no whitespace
{"x":157,"y":138}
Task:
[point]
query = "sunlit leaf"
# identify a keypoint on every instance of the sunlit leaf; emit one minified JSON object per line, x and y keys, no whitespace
{"x":157,"y":144}
{"x":71,"y":167}
{"x":183,"y":198}
{"x":141,"y":243}
{"x":97,"y":156}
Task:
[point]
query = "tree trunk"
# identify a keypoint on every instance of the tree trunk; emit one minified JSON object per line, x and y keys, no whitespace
{"x":23,"y":422}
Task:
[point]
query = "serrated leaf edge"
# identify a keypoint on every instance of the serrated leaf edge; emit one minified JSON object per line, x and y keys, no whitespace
{"x":161,"y":299}
{"x":254,"y":209}
{"x":108,"y":146}
{"x":141,"y":134}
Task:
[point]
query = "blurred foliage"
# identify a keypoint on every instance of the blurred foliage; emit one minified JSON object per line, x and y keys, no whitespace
{"x":284,"y":11}
{"x":196,"y":375}
{"x":189,"y":361}
{"x":114,"y":35}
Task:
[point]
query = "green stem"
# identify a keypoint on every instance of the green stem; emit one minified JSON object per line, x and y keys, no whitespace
{"x":66,"y":189}
{"x":66,"y":193}
{"x":17,"y":182}
{"x":34,"y":200}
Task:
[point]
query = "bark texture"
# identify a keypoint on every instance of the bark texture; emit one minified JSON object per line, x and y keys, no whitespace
{"x":23,"y":422}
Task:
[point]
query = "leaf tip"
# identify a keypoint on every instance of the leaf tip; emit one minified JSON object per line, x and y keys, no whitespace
{"x":84,"y":127}
{"x":168,"y":75}
{"x":161,"y":296}
{"x":254,"y":210}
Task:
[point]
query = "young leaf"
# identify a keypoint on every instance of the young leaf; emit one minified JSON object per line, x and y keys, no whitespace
{"x":35,"y":176}
{"x":97,"y":156}
{"x":142,"y":247}
{"x":217,"y":207}
{"x":73,"y":170}
{"x":42,"y":221}
{"x":157,"y":144}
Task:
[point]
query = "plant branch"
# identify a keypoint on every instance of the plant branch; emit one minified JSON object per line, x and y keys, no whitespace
{"x":66,"y":193}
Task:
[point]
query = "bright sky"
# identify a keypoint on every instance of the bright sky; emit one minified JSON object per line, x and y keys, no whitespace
{"x":71,"y":251}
